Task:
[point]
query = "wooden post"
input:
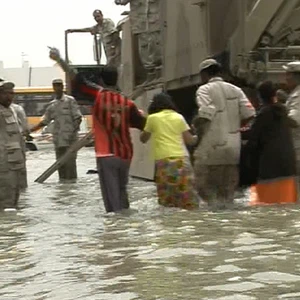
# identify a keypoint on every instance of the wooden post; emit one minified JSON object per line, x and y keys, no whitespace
{"x":74,"y":148}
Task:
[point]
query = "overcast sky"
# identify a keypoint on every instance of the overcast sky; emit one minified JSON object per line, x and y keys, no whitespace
{"x":29,"y":26}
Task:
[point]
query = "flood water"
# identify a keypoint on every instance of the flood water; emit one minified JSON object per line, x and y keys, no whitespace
{"x":61,"y":245}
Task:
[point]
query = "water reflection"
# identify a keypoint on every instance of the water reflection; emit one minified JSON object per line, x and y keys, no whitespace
{"x":61,"y":245}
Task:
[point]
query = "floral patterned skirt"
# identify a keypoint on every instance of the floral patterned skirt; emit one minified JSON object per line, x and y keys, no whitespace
{"x":174,"y":179}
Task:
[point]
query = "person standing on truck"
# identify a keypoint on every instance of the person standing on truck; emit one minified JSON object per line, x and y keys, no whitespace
{"x":65,"y":113}
{"x":113,"y":115}
{"x":12,"y":150}
{"x":145,"y":23}
{"x":293,"y":105}
{"x":109,"y":36}
{"x":222,"y":109}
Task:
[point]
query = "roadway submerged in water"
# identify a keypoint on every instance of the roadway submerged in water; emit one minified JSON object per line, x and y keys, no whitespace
{"x":62,"y":246}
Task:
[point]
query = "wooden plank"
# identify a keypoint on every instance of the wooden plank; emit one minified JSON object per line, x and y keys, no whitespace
{"x":74,"y":148}
{"x":77,"y":146}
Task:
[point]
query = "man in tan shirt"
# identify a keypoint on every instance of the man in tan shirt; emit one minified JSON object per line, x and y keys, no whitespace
{"x":109,"y":36}
{"x":65,"y":113}
{"x":12,"y":150}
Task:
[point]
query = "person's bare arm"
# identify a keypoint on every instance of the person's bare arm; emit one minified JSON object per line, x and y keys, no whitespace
{"x":122,"y":2}
{"x":86,"y":86}
{"x":37,"y":127}
{"x":55,"y":55}
{"x":247,"y":111}
{"x":200,"y":126}
{"x":245,"y":122}
{"x":206,"y":112}
{"x":189,"y":139}
{"x":145,"y":137}
{"x":46,"y":119}
{"x":87,"y":29}
{"x":147,"y":130}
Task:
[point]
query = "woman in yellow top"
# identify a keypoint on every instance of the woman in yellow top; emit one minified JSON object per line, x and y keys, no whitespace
{"x":174,"y":175}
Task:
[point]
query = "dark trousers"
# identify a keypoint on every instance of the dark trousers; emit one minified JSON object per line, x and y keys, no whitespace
{"x":113,"y":175}
{"x":68,"y":170}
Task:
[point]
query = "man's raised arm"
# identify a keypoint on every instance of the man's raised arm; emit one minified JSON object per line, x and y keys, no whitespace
{"x":86,"y":86}
{"x":55,"y":55}
{"x":87,"y":29}
{"x":122,"y":2}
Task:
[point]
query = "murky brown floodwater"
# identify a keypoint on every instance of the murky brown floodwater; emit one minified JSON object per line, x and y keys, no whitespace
{"x":62,"y":246}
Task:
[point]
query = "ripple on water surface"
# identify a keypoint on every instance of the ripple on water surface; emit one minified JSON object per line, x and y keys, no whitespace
{"x":62,"y":246}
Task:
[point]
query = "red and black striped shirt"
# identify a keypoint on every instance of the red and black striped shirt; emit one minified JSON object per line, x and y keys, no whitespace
{"x":113,"y":116}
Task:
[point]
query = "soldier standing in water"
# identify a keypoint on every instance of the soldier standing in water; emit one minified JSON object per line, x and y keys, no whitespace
{"x":24,"y":129}
{"x":65,"y":113}
{"x":12,"y":150}
{"x":21,"y":118}
{"x":145,"y":23}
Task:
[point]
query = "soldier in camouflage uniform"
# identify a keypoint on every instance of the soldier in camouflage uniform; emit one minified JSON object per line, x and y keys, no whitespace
{"x":20,"y":116}
{"x":12,"y":150}
{"x":109,"y":36}
{"x":65,"y":113}
{"x":145,"y":22}
{"x":24,"y":129}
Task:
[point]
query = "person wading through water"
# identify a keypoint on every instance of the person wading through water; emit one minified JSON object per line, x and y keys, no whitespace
{"x":223,"y":109}
{"x":113,"y":115}
{"x":65,"y":113}
{"x":12,"y":150}
{"x":174,"y":176}
{"x":270,"y":153}
{"x":21,"y":117}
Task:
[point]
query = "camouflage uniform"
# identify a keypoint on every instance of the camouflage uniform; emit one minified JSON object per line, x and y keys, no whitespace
{"x":12,"y":158}
{"x":66,"y":116}
{"x":145,"y":22}
{"x":109,"y":36}
{"x":23,"y":126}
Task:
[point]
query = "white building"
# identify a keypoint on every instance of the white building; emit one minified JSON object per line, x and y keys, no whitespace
{"x":31,"y":76}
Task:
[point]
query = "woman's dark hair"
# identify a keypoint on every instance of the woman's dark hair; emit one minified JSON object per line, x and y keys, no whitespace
{"x":109,"y":76}
{"x":160,"y":102}
{"x":266,"y":91}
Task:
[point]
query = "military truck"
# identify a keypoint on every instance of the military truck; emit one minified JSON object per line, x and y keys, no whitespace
{"x":251,"y":38}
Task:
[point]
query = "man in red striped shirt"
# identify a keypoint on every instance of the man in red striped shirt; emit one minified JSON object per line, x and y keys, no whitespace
{"x":113,"y":116}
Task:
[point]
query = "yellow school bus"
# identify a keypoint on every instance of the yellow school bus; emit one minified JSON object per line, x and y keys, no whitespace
{"x":35,"y":100}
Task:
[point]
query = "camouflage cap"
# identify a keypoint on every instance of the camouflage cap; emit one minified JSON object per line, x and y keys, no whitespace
{"x":6,"y":85}
{"x":97,"y":11}
{"x":292,"y":67}
{"x":57,"y":81}
{"x":208,"y":63}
